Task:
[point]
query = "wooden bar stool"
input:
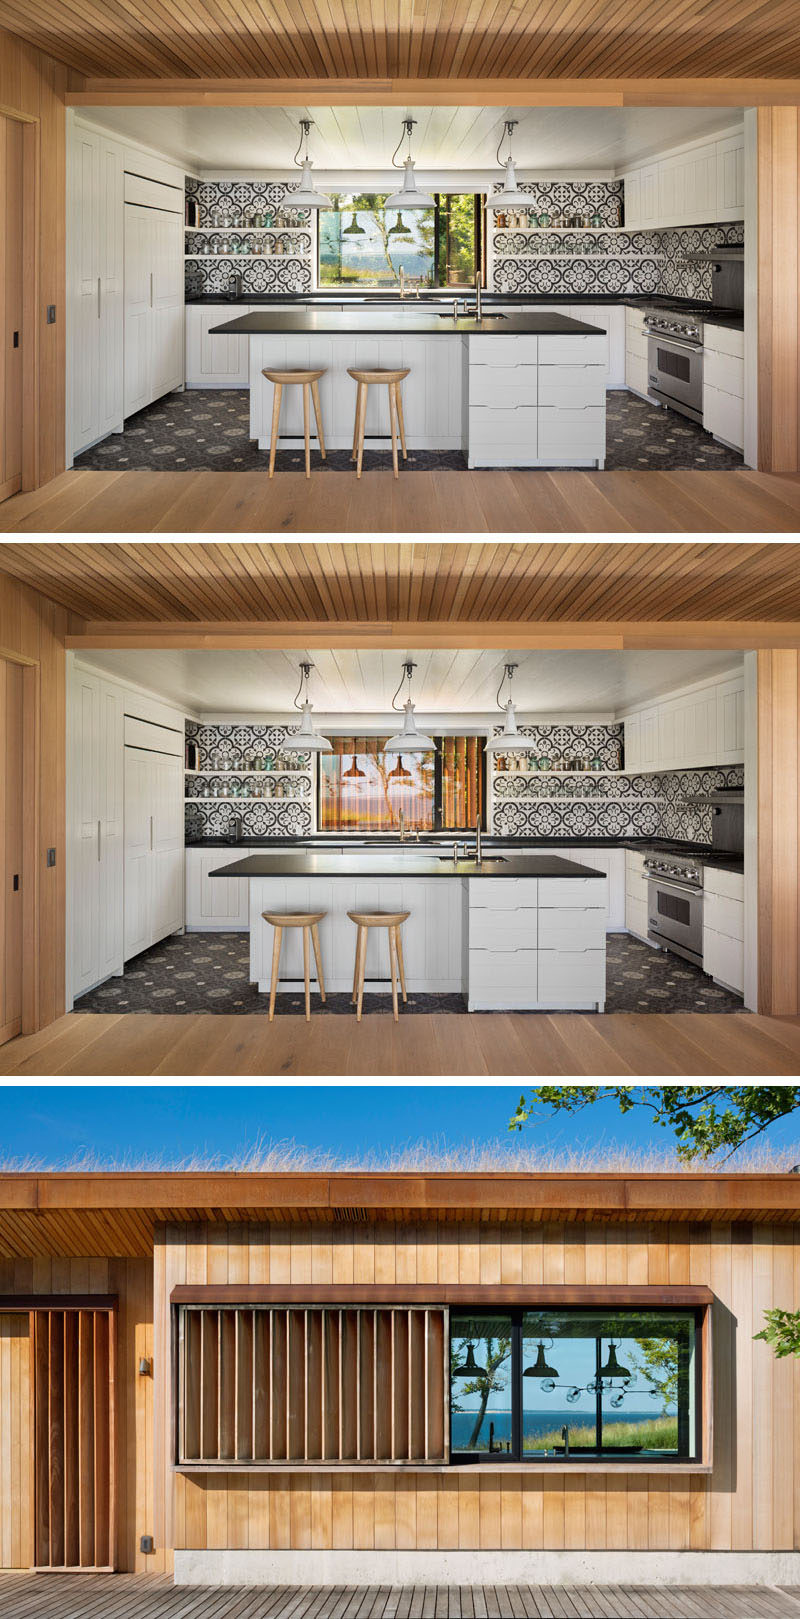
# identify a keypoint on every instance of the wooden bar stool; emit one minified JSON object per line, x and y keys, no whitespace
{"x":309,"y":381}
{"x":379,"y":919}
{"x":393,"y":380}
{"x":307,"y":920}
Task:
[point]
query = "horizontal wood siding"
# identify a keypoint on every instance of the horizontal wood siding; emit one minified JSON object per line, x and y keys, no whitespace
{"x":750,"y":1501}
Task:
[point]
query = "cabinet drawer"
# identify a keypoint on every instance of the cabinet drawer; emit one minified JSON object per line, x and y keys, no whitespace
{"x":634,"y":861}
{"x":724,"y":915}
{"x":572,"y":385}
{"x":574,"y":350}
{"x":723,"y":340}
{"x":636,"y":373}
{"x":503,"y":385}
{"x":636,"y":344}
{"x":565,"y":430}
{"x":634,"y":320}
{"x":495,"y":426}
{"x":502,"y":893}
{"x":729,"y":883}
{"x":503,"y":350}
{"x":636,"y":916}
{"x":572,"y":930}
{"x":508,"y":930}
{"x":723,"y":958}
{"x":511,"y":969}
{"x":572,"y":893}
{"x":723,"y":415}
{"x":577,"y":974}
{"x":724,"y":371}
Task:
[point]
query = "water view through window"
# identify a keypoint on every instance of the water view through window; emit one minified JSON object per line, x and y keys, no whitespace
{"x":363,"y":243}
{"x":574,"y":1383}
{"x":363,"y":789}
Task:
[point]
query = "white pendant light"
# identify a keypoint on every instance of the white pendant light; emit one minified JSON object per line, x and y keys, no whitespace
{"x":306,"y":196}
{"x":306,"y":739}
{"x":408,"y":196}
{"x":509,"y":733}
{"x":409,"y":740}
{"x":510,"y":194}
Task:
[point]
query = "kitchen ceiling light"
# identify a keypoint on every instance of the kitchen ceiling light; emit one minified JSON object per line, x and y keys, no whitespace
{"x":408,"y":196}
{"x":409,"y":740}
{"x":509,"y":733}
{"x":306,"y":739}
{"x":469,"y":1367}
{"x":612,"y":1366}
{"x":540,"y":1367}
{"x":399,"y":228}
{"x":354,"y":229}
{"x":509,"y":195}
{"x":306,"y":196}
{"x":399,"y":777}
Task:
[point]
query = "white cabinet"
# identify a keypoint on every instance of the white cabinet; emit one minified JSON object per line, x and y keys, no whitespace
{"x":723,"y":384}
{"x":635,"y":894}
{"x":687,"y":187}
{"x":641,"y":197}
{"x":153,"y":303}
{"x":636,"y":367}
{"x":701,"y":727}
{"x":730,"y":178}
{"x":697,"y":185}
{"x":219,"y":361}
{"x":536,"y":943}
{"x":153,"y":847}
{"x":536,"y":401}
{"x":730,"y":722}
{"x":641,"y":740}
{"x":95,"y":270}
{"x":723,"y":927}
{"x":95,"y":799}
{"x":215,"y":903}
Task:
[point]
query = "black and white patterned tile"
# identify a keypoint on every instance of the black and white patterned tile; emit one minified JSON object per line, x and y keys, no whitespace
{"x":635,"y":263}
{"x":275,"y":799}
{"x":210,"y":972}
{"x":655,"y":805}
{"x":228,"y":211}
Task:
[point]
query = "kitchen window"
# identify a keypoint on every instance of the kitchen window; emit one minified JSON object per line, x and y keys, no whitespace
{"x":363,"y":789}
{"x":574,"y":1385}
{"x":363,"y":244}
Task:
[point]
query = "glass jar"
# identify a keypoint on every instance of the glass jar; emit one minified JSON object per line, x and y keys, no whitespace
{"x":545,"y":221}
{"x":544,"y":763}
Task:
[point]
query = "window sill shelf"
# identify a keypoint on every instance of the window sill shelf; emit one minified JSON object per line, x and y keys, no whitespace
{"x":475,"y":1470}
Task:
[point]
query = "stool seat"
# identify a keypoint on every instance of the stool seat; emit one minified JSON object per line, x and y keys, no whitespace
{"x":307,"y":920}
{"x":390,"y":920}
{"x":393,"y":380}
{"x":308,"y":380}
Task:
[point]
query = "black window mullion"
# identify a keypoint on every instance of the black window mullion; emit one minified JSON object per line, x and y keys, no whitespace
{"x":516,"y":1386}
{"x":598,"y":1396}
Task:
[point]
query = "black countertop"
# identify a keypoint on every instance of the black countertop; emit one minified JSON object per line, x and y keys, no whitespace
{"x":388,"y":863}
{"x":424,"y":321}
{"x":718,"y":858}
{"x":492,"y":300}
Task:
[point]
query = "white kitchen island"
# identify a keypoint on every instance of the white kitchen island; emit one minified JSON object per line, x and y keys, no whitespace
{"x":524,"y":933}
{"x":517,"y":389}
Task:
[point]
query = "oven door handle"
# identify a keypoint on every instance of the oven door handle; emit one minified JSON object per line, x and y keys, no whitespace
{"x":681,"y":888}
{"x":675,"y":342}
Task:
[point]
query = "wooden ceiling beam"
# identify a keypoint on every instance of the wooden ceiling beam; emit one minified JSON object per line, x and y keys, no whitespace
{"x":469,"y":92}
{"x":499,"y":635}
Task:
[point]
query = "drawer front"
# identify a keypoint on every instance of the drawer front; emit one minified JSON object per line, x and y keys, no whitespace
{"x":508,"y":930}
{"x":636,"y":886}
{"x":724,"y":371}
{"x":509,"y":970}
{"x":724,"y":915}
{"x":572,"y":930}
{"x":634,"y":861}
{"x":723,"y":340}
{"x":503,"y":893}
{"x":495,"y":427}
{"x":577,"y":974}
{"x":723,"y":415}
{"x":636,"y":344}
{"x":503,"y":385}
{"x":729,"y":883}
{"x":723,"y":958}
{"x":636,"y":916}
{"x":563,"y":429}
{"x":575,"y":350}
{"x":573,"y":893}
{"x":634,"y":321}
{"x":572,"y":385}
{"x":636,"y":373}
{"x":511,"y":350}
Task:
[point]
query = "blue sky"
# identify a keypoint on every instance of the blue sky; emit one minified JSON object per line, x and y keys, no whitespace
{"x":55,"y":1122}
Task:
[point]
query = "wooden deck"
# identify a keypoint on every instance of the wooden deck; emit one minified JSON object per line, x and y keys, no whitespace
{"x":143,"y":1596}
{"x":419,"y":502}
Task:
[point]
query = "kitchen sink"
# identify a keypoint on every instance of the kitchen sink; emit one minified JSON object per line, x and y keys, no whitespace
{"x":488,"y":314}
{"x":469,"y":860}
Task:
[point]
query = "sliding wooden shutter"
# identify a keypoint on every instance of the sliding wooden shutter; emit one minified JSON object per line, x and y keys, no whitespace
{"x":74,"y":1355}
{"x":311,"y":1385}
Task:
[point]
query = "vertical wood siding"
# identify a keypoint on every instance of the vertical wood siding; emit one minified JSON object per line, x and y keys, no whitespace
{"x":752,"y":1500}
{"x":778,"y":288}
{"x":779,"y":832}
{"x":16,"y":1460}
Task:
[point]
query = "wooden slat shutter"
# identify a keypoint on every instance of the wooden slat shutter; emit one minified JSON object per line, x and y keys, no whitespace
{"x":74,"y":1351}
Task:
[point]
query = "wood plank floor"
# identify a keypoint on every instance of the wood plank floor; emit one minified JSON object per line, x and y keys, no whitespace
{"x":419,"y":502}
{"x":142,"y":1596}
{"x":507,"y":1043}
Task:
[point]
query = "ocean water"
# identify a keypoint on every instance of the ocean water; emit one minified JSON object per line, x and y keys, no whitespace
{"x":535,"y":1423}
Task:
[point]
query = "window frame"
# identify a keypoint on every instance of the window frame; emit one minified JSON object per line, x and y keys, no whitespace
{"x":479,"y":238}
{"x":438,"y":792}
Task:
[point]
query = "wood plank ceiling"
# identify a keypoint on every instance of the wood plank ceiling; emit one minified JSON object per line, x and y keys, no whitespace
{"x":432,"y":39}
{"x":201,"y":582}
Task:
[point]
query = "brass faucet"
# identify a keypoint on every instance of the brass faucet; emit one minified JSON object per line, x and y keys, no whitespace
{"x":402,"y":827}
{"x":402,"y":279}
{"x":478,"y":296}
{"x":478,"y":847}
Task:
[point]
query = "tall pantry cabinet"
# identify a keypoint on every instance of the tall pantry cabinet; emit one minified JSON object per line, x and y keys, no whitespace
{"x":154,"y":320}
{"x":95,"y":256}
{"x":153,"y":834}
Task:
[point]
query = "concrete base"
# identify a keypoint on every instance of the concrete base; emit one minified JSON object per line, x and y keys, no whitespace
{"x":310,"y":1567}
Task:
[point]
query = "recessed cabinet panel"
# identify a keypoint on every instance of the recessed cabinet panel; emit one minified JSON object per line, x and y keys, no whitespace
{"x":95,"y":798}
{"x":153,"y":847}
{"x":153,"y":304}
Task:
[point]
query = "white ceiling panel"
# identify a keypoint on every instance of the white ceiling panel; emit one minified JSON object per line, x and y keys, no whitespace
{"x":446,"y":682}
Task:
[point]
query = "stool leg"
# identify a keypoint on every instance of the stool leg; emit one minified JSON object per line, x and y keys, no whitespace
{"x":306,"y":977}
{"x":306,"y":392}
{"x":276,"y":416}
{"x":359,"y":386}
{"x":362,"y":962}
{"x":318,"y":415}
{"x":398,"y":393}
{"x":276,"y":956}
{"x":393,"y":970}
{"x":355,"y":966}
{"x":398,"y":939}
{"x":393,"y":425}
{"x":318,"y":959}
{"x":362,"y":422}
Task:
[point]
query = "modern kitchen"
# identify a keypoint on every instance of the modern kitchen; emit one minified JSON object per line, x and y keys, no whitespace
{"x":363,"y":833}
{"x":436,"y":288}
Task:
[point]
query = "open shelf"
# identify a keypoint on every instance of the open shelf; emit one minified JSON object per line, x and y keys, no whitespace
{"x":266,"y":773}
{"x":268,"y":798}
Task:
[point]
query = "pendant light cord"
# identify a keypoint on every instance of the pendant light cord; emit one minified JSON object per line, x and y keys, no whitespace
{"x":408,"y":669}
{"x":508,"y":674}
{"x":304,"y":673}
{"x":511,"y":124}
{"x":408,"y":125}
{"x":305,"y":125}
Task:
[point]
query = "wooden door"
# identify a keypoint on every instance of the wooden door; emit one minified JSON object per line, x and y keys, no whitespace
{"x":11,"y":306}
{"x":16,"y":1451}
{"x":11,"y":849}
{"x":75,"y":1494}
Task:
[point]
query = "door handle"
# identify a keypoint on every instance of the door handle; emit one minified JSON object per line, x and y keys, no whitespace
{"x":151,"y":831}
{"x":99,"y":835}
{"x":99,"y":295}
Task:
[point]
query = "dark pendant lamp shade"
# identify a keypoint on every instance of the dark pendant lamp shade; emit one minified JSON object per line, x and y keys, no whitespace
{"x":354,"y":774}
{"x":354,"y":229}
{"x":612,"y":1366}
{"x":469,"y":1368}
{"x":540,"y":1368}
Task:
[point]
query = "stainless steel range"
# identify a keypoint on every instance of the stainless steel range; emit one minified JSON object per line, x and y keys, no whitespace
{"x":675,"y":905}
{"x":675,"y":360}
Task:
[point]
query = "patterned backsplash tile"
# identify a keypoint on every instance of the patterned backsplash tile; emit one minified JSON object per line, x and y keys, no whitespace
{"x":276,"y":798}
{"x":284,"y":251}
